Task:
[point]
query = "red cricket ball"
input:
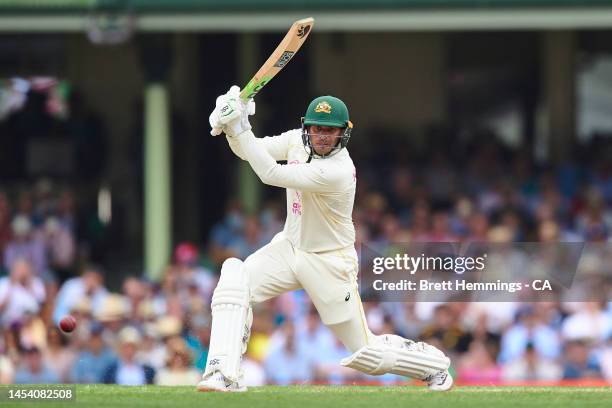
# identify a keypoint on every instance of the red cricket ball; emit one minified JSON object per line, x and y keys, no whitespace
{"x":67,"y":324}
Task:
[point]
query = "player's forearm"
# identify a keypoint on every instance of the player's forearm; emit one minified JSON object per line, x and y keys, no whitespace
{"x":260,"y":160}
{"x":234,"y":144}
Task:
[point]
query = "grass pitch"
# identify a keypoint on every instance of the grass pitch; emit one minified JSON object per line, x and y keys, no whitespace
{"x":112,"y":396}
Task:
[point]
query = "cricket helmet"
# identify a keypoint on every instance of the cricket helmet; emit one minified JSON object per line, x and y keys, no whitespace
{"x":326,"y":111}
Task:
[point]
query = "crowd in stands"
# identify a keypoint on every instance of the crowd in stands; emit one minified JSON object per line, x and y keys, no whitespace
{"x":158,"y":332}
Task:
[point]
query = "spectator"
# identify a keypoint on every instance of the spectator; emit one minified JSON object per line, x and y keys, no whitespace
{"x":90,"y":285}
{"x":25,"y":245}
{"x":33,"y":370}
{"x":190,"y":274}
{"x":577,"y":362}
{"x":478,"y":364}
{"x":532,"y":366}
{"x":126,"y":371}
{"x":21,"y":292}
{"x":58,"y":355}
{"x":178,"y":370}
{"x":590,"y":322}
{"x":529,"y":330}
{"x":113,"y":315}
{"x":91,"y":363}
{"x":446,"y":328}
{"x":287,"y":364}
{"x":198,"y":339}
{"x":60,"y":246}
{"x":326,"y":367}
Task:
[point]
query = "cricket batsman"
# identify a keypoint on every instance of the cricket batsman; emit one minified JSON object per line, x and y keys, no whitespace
{"x":315,"y":251}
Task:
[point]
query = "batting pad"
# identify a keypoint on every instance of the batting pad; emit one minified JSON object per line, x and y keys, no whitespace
{"x":405,"y":357}
{"x":231,"y":321}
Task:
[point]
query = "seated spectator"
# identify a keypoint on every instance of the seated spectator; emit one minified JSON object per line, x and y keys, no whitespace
{"x":33,"y":370}
{"x":529,"y":330}
{"x":135,"y":291}
{"x":92,"y":362}
{"x":447,"y":329}
{"x":313,"y":337}
{"x":190,"y":273}
{"x":250,"y":240}
{"x":25,"y":245}
{"x":126,"y":371}
{"x":61,"y":248}
{"x":326,"y":367}
{"x":577,"y":362}
{"x":532,"y":367}
{"x":113,"y":314}
{"x":198,"y":339}
{"x":287,"y":364}
{"x":590,"y":322}
{"x":21,"y":292}
{"x":32,"y":331}
{"x":178,"y":370}
{"x":89,"y":285}
{"x":57,"y":354}
{"x":478,"y":364}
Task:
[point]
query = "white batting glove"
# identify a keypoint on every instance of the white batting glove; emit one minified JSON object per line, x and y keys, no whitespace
{"x":231,"y":114}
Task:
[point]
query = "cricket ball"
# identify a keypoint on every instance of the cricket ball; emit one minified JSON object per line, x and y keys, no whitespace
{"x":67,"y":324}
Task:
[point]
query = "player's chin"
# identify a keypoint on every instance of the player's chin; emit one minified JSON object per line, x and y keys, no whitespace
{"x":323,"y":151}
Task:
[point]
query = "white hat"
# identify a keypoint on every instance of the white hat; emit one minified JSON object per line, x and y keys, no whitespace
{"x":128,"y":335}
{"x":113,"y":307}
{"x":21,"y":225}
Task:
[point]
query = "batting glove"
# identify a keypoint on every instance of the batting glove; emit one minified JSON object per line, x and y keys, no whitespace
{"x":231,"y":114}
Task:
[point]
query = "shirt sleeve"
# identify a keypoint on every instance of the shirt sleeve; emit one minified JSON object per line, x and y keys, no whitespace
{"x":314,"y":176}
{"x":276,"y":146}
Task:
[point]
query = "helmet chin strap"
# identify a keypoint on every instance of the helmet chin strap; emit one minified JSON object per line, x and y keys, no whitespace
{"x":310,"y":155}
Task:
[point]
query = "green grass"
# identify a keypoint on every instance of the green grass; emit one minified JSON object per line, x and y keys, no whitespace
{"x":334,"y":396}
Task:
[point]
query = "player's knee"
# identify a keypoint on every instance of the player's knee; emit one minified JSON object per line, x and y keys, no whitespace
{"x":232,"y":287}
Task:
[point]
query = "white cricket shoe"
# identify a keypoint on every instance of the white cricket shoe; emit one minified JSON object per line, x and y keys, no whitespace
{"x":440,"y":381}
{"x":217,"y":382}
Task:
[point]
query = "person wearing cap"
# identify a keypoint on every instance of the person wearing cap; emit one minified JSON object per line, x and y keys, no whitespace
{"x":126,"y":370}
{"x":315,"y":251}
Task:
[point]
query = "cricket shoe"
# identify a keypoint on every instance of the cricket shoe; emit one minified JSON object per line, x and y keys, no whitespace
{"x":440,"y":381}
{"x":217,"y":382}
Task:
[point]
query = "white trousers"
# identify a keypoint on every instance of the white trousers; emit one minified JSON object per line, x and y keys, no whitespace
{"x":329,"y":278}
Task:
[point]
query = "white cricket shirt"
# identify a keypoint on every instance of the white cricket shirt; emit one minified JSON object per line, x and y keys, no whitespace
{"x":320,"y":194}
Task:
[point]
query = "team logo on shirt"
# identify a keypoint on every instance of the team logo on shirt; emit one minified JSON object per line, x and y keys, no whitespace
{"x":323,"y":107}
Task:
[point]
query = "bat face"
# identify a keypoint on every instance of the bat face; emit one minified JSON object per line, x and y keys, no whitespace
{"x":284,"y":52}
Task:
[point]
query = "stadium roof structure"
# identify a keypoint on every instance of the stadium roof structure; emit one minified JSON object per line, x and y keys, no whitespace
{"x":331,"y":15}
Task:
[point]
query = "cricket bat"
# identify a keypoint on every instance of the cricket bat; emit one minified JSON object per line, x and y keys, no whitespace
{"x":295,"y":37}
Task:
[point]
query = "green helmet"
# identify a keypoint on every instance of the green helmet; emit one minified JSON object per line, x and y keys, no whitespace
{"x":326,"y":111}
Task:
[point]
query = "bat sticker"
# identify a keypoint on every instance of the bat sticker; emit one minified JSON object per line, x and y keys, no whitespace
{"x":302,"y":31}
{"x":284,"y":59}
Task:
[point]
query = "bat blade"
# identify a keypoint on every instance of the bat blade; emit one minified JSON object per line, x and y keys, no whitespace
{"x":284,"y":52}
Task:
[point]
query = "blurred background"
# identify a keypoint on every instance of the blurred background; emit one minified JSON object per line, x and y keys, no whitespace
{"x":474,"y":121}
